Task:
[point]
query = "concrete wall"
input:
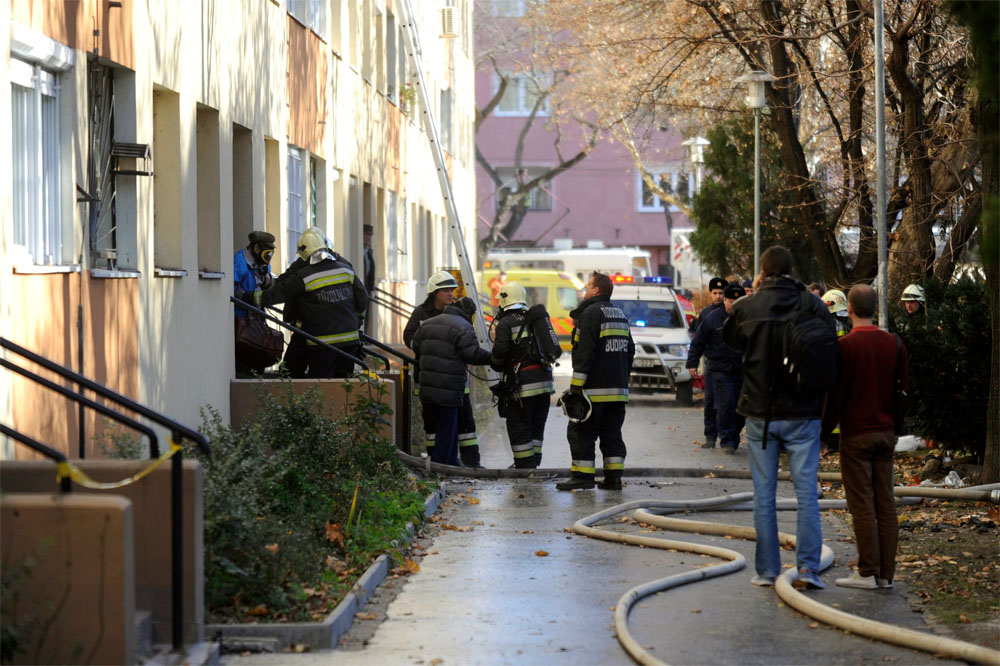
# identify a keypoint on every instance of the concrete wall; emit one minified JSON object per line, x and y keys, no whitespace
{"x":75,"y":552}
{"x":219,"y":96}
{"x":148,"y":535}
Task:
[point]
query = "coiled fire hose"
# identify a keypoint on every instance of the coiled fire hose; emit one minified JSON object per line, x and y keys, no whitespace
{"x":650,"y":512}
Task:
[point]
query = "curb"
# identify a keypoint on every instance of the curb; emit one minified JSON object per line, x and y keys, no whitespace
{"x":325,"y":635}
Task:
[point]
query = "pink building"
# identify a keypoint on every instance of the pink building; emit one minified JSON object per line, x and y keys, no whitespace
{"x":601,"y":198}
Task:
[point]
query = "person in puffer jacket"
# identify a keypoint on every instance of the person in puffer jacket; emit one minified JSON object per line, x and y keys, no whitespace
{"x":602,"y":361}
{"x":444,"y":345}
{"x":527,"y":379}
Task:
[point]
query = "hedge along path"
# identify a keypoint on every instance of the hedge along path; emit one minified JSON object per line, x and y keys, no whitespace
{"x":736,"y":562}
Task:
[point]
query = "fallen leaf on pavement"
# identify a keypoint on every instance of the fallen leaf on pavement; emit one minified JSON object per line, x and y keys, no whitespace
{"x":365,"y":616}
{"x":542,"y":553}
{"x":471,"y":500}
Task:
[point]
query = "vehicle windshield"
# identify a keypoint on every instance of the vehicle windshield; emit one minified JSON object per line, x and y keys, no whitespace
{"x":662,"y":314}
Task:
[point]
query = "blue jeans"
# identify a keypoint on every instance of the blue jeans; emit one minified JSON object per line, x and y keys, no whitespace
{"x":800,"y":439}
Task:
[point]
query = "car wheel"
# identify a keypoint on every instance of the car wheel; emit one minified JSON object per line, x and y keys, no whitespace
{"x":685,"y":394}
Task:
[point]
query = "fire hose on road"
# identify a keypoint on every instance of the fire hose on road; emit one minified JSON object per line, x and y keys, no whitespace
{"x":651,"y":512}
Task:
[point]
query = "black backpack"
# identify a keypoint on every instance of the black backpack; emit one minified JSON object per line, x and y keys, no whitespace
{"x":810,"y":352}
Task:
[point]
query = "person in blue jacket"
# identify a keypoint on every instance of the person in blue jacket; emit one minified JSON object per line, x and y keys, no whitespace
{"x":251,"y":270}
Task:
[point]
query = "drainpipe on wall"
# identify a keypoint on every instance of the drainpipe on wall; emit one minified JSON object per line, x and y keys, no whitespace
{"x":79,"y":342}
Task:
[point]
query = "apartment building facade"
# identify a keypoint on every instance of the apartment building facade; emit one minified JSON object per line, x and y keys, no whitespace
{"x":602,"y":198}
{"x":148,"y":138}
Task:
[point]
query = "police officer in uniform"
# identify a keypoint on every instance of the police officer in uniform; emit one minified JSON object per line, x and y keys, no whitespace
{"x":329,"y":303}
{"x":725,"y":369}
{"x":526,"y":377}
{"x":441,"y":293}
{"x":602,"y":360}
{"x":717,"y":287}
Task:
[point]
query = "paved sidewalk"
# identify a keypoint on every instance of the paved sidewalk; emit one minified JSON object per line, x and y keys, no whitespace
{"x":485,"y":596}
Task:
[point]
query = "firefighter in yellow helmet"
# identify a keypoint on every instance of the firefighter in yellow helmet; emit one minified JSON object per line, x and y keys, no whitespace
{"x":326,"y":299}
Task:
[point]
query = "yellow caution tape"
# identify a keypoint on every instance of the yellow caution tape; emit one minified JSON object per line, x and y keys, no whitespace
{"x":68,"y":469}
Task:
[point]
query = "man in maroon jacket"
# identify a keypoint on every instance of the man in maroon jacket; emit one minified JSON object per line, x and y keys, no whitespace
{"x":862,"y":402}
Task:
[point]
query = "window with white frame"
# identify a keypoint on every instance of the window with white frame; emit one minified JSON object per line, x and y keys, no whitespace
{"x":392,"y":226}
{"x":540,"y":197}
{"x":446,"y":103}
{"x":674,"y":182}
{"x":310,"y":13}
{"x":391,"y":62}
{"x":296,"y":208}
{"x":520,"y":96}
{"x":35,"y":161}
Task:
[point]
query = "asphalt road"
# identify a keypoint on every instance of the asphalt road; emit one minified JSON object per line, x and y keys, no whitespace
{"x":487,"y":595}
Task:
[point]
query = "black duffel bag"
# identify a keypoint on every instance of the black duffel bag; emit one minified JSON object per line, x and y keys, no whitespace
{"x":258,"y":346}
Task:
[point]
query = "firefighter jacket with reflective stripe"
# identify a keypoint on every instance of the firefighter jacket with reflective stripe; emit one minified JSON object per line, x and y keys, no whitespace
{"x":327,"y":298}
{"x":602,"y":350}
{"x":516,"y":356}
{"x":444,"y":344}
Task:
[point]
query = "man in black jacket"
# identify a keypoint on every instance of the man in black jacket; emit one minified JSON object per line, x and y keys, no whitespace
{"x":778,"y":417}
{"x":527,"y":378}
{"x":717,"y":287}
{"x":441,"y":293}
{"x":726,"y":371}
{"x":444,"y":345}
{"x":328,"y":302}
{"x":602,"y":361}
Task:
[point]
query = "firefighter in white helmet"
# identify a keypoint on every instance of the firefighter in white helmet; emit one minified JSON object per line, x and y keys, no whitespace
{"x":325,"y":298}
{"x":836,"y":303}
{"x":913,"y":300}
{"x":524,"y":348}
{"x":440,"y":294}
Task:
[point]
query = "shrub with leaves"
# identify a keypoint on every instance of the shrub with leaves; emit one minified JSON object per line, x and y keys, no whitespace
{"x":949,"y":354}
{"x":298,"y":503}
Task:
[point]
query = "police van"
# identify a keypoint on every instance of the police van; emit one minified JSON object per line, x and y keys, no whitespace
{"x":659,"y":329}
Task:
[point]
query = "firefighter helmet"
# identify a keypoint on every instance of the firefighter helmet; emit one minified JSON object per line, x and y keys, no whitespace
{"x":913,"y":292}
{"x":441,"y":280}
{"x":312,"y":240}
{"x":835,"y":301}
{"x":512,"y":293}
{"x":575,"y":405}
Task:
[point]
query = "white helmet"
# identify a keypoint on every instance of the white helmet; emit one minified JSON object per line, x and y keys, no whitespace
{"x":441,"y":280}
{"x":835,"y":301}
{"x":312,"y":240}
{"x":512,"y":293}
{"x":913,"y":292}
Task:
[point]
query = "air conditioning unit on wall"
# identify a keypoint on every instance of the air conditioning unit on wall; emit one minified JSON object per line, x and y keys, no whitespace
{"x":448,"y":23}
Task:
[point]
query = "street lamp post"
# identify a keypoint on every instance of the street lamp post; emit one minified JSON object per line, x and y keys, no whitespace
{"x":755,"y":100}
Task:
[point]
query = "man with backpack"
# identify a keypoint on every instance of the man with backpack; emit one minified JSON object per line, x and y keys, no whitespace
{"x":789,"y":346}
{"x":524,"y":348}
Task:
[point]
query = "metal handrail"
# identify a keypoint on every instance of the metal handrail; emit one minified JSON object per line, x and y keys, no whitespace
{"x":154,"y":442}
{"x":403,"y":302}
{"x":178,"y":431}
{"x":296,"y":329}
{"x":65,"y":483}
{"x":390,"y":307}
{"x":406,"y":381}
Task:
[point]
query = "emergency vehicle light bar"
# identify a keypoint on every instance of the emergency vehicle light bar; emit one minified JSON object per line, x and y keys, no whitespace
{"x":658,"y":279}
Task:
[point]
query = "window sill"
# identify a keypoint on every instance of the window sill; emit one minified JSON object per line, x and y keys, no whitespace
{"x":114,"y":274}
{"x":211,"y":275}
{"x":169,"y":272}
{"x":31,"y":269}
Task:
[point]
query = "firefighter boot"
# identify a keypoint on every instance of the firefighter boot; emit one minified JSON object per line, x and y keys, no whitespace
{"x":576,"y":483}
{"x":470,"y":456}
{"x":612,"y":480}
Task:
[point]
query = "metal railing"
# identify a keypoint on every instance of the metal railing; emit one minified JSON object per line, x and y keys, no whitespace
{"x":393,"y":300}
{"x":406,"y":375}
{"x":179,"y":432}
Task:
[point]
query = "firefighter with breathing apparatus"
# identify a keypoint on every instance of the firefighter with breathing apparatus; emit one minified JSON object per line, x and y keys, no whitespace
{"x":524,"y":348}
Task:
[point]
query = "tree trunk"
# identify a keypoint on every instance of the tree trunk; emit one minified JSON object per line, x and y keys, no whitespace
{"x":809,"y":207}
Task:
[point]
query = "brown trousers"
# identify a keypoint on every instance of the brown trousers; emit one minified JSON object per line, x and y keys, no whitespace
{"x":866,"y":467}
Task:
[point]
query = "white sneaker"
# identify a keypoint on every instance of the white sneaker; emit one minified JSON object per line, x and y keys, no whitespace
{"x":762,"y":581}
{"x":883,"y":583}
{"x":858,"y":582}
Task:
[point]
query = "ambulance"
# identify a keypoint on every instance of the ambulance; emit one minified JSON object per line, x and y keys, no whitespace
{"x":659,"y":328}
{"x":559,"y":292}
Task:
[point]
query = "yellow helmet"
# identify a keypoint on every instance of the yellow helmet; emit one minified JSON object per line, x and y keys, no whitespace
{"x":312,"y":240}
{"x":512,"y":293}
{"x":835,"y":301}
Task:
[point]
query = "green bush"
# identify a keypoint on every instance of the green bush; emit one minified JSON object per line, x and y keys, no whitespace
{"x":949,"y":354}
{"x":278,"y":505}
